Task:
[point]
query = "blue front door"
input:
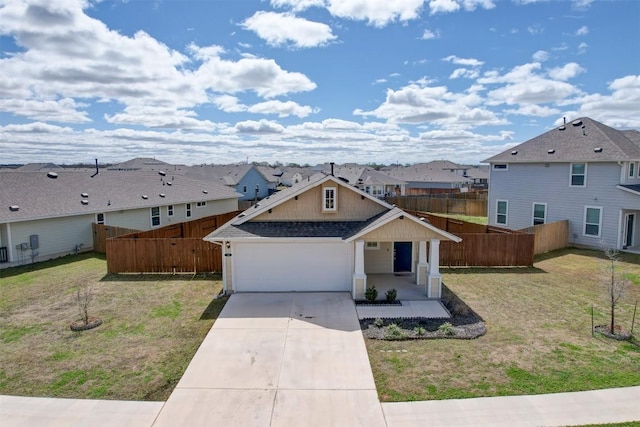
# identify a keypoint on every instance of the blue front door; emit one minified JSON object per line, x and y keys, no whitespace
{"x":402,"y":256}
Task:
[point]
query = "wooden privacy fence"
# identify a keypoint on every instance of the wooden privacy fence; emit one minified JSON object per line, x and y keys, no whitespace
{"x":482,"y":245}
{"x":162,"y":255}
{"x":176,"y":248}
{"x":549,"y":237}
{"x":103,"y":232}
{"x":438,"y":204}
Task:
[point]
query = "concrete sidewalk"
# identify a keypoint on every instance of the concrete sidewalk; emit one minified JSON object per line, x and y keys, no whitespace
{"x":559,"y":409}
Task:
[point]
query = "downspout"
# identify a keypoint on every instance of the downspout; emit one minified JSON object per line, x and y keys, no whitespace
{"x":223,"y":291}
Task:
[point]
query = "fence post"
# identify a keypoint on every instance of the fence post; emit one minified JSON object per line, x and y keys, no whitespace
{"x":592,"y":330}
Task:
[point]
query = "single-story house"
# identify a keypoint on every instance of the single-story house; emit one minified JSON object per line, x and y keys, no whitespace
{"x":245,"y":178}
{"x":44,"y":215}
{"x":326,"y":235}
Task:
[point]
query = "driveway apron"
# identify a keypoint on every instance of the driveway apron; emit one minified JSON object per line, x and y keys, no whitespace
{"x":279,"y":359}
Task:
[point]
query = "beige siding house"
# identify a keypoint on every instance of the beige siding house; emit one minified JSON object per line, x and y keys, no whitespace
{"x":49,"y":214}
{"x":326,"y":235}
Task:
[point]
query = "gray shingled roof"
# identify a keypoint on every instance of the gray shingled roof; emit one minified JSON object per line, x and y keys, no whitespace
{"x":225,"y":174}
{"x":307,"y":229}
{"x":426,"y":172}
{"x":580,"y":140}
{"x":39,"y":196}
{"x":634,"y":187}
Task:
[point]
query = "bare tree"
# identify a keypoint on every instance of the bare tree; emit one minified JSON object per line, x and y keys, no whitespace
{"x":615,"y":283}
{"x":84,"y":297}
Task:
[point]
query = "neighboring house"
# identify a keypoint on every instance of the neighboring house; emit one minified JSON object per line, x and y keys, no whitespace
{"x":369,"y":180}
{"x":49,"y":214}
{"x":293,"y":175}
{"x":584,"y":172}
{"x":422,"y":178}
{"x":326,"y":235}
{"x":245,"y":178}
{"x":480,"y":177}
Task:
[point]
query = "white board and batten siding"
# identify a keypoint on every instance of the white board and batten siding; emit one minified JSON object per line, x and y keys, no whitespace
{"x":521,"y":185}
{"x":290,"y":266}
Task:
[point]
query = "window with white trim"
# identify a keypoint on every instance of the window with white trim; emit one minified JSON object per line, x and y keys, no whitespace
{"x":539,"y":213}
{"x":99,"y":218}
{"x":372,"y":246}
{"x":578,"y":174}
{"x":501,"y":212}
{"x":188,"y":210}
{"x":632,"y":169}
{"x":170,"y":210}
{"x":500,"y":166}
{"x":155,"y":216}
{"x":592,"y":221}
{"x":201,"y":204}
{"x":329,"y":201}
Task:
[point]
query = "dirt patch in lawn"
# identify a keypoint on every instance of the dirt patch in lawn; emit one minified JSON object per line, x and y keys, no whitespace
{"x":152,"y":327}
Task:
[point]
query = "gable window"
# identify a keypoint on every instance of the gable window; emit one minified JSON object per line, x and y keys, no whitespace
{"x":188,"y":210}
{"x":632,"y":170}
{"x":329,"y":199}
{"x":592,"y":221}
{"x":201,"y":204}
{"x":372,"y":246}
{"x":99,"y":218}
{"x":578,"y":174}
{"x":155,"y":216}
{"x":501,"y":212}
{"x":500,"y":167}
{"x":170,"y":210}
{"x":539,"y":213}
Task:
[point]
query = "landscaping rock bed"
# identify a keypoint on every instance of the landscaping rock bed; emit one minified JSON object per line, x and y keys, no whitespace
{"x":464,"y":323}
{"x":619,"y":334}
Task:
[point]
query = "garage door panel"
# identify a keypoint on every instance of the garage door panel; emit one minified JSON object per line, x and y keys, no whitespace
{"x":285,"y":267}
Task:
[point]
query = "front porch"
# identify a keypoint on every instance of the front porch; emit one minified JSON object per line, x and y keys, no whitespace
{"x":415,"y":303}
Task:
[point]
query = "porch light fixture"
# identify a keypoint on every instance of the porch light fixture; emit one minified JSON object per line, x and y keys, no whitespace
{"x":228,"y":245}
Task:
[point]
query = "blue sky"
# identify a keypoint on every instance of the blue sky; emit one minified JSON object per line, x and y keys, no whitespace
{"x":307,"y":81}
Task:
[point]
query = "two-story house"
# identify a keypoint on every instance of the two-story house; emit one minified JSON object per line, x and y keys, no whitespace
{"x":584,"y":172}
{"x":245,"y":178}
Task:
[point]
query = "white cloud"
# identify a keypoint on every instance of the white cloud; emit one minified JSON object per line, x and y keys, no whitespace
{"x":160,"y":117}
{"x":582,"y":48}
{"x":279,"y":29}
{"x":534,"y":110}
{"x":297,"y":5}
{"x":535,"y":29}
{"x":63,"y":110}
{"x":447,"y":6}
{"x":68,"y":59}
{"x":568,"y":71}
{"x":282,"y":109}
{"x":582,"y":31}
{"x":464,"y":73}
{"x":619,"y":109}
{"x":540,"y":56}
{"x":262,"y":126}
{"x":229,"y":104}
{"x":378,"y":13}
{"x":429,"y":35}
{"x":581,"y":4}
{"x":470,"y":62}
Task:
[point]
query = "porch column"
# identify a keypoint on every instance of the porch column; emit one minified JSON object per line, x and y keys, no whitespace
{"x":421,"y":271}
{"x":359,"y":278}
{"x":434,"y":279}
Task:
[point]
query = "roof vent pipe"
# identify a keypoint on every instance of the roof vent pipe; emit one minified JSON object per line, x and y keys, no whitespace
{"x":332,"y":164}
{"x":97,"y":170}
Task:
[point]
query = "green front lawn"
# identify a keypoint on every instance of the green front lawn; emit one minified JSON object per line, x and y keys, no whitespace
{"x":153,"y":325}
{"x":538,"y":335}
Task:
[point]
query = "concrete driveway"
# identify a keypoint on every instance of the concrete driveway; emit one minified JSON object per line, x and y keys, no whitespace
{"x":279,"y":359}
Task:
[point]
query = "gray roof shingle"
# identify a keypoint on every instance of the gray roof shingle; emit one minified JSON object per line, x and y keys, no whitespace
{"x":39,"y":196}
{"x":582,"y":140}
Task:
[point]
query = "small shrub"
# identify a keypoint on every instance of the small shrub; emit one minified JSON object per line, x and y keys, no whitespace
{"x":460,"y":309}
{"x":447,"y":329}
{"x":419,"y":330}
{"x":394,"y":332}
{"x":391,"y":295}
{"x":371,"y":294}
{"x":378,"y":323}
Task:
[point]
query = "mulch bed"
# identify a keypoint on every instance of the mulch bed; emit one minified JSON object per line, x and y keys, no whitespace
{"x":79,"y":325}
{"x":466,"y":324}
{"x":619,"y":334}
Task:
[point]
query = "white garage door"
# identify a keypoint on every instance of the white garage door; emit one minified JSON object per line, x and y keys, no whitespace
{"x":285,"y":267}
